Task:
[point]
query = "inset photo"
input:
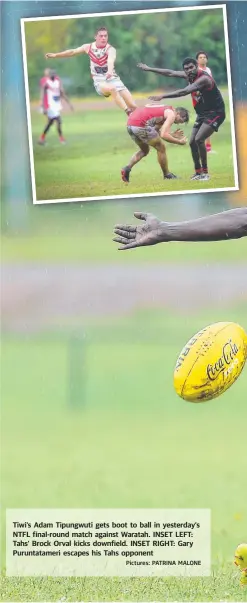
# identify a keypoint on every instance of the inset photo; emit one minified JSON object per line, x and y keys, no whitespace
{"x":129,"y":104}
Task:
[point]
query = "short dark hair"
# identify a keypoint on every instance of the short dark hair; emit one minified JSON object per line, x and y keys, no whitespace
{"x":189,"y":60}
{"x":184,"y":113}
{"x":102,"y":28}
{"x":201,"y":52}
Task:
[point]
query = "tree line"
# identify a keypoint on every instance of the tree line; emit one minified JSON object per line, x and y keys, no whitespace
{"x":160,"y":40}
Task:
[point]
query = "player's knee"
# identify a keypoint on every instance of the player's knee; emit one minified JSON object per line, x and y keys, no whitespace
{"x":160,"y":147}
{"x":111,"y":91}
{"x":145,"y":151}
{"x":199,"y":140}
{"x":192,"y":142}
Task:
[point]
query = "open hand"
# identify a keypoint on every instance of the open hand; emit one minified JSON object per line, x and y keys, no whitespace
{"x":143,"y":66}
{"x":148,"y":233}
{"x":178,"y":134}
{"x":156,"y":99}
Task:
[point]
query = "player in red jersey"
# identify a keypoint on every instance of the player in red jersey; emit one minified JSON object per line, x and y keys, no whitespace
{"x":43,"y":95}
{"x":102,"y":66}
{"x":208,"y":104}
{"x":148,"y":126}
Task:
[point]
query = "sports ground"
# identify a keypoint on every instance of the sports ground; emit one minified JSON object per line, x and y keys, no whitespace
{"x":98,"y":146}
{"x":81,"y":318}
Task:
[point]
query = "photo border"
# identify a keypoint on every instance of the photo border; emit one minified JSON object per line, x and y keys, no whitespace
{"x":139,"y":195}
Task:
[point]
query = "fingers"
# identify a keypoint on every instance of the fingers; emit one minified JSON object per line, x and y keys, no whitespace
{"x":125,"y":233}
{"x":140,"y":215}
{"x":125,"y":242}
{"x":125,"y":227}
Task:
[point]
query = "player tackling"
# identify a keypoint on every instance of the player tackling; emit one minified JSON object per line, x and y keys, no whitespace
{"x":231,"y":224}
{"x":208,"y":104}
{"x":148,"y":127}
{"x":102,"y":58}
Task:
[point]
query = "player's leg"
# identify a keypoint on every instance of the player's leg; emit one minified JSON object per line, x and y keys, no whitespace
{"x":204,"y":132}
{"x":195,"y":152}
{"x":50,"y":121}
{"x":143,"y":152}
{"x":59,"y":129}
{"x":159,"y":146}
{"x":109,"y":90}
{"x":208,"y":145}
{"x":127,"y":96}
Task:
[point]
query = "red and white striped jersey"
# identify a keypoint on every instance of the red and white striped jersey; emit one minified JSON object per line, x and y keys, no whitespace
{"x":98,"y":60}
{"x":53,"y":90}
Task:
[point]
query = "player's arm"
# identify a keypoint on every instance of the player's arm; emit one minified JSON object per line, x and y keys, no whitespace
{"x":66,"y":98}
{"x":111,"y":61}
{"x":68,"y":53}
{"x":165,"y":72}
{"x":165,"y":130}
{"x":230,"y":224}
{"x":200,"y":84}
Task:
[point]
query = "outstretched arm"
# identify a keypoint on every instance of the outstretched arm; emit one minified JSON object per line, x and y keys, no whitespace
{"x":68,"y":53}
{"x":230,"y":224}
{"x":166,"y":72}
{"x":201,"y":83}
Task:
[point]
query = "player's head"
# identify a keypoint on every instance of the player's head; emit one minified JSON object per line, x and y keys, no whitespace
{"x":52,"y":74}
{"x":182,"y":115}
{"x":190,"y":67}
{"x":202,"y":58}
{"x":101,"y":37}
{"x":47,"y":72}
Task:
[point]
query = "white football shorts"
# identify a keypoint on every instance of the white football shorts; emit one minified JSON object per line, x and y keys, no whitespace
{"x":113,"y":81}
{"x":53,"y":113}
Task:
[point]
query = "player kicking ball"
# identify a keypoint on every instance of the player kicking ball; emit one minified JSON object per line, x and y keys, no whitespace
{"x":53,"y":92}
{"x":102,"y":58}
{"x":148,"y":127}
{"x":231,"y":224}
{"x":208,"y":104}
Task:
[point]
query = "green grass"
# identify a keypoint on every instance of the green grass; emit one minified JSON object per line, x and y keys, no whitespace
{"x":98,"y":146}
{"x":135,"y":445}
{"x":93,"y":247}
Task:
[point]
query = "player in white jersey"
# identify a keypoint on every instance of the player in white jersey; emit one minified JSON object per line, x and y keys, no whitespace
{"x":202,"y":60}
{"x":102,"y":66}
{"x":54,"y":91}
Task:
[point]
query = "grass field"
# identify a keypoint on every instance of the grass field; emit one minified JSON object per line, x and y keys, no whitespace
{"x":135,"y":445}
{"x":98,"y":146}
{"x":83,"y":233}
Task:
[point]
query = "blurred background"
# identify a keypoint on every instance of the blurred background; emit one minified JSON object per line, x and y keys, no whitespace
{"x":158,"y":39}
{"x":90,"y":337}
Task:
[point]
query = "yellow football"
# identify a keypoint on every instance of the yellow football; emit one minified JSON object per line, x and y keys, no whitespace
{"x":210,"y":362}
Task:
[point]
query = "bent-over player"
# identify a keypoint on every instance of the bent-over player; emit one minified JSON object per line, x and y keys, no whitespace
{"x":148,"y":127}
